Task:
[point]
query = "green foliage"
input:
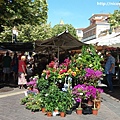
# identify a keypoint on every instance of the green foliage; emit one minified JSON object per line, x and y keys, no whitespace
{"x":6,"y":35}
{"x":23,"y":12}
{"x":27,"y":99}
{"x":53,"y":98}
{"x":24,"y":100}
{"x":57,"y":29}
{"x":28,"y":16}
{"x":89,"y":58}
{"x":114,"y":19}
{"x":32,"y":102}
{"x":27,"y":33}
{"x":42,"y":84}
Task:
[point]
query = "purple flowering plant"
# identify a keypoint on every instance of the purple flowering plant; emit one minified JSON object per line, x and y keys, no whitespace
{"x":32,"y":82}
{"x":84,"y":92}
{"x":91,"y":76}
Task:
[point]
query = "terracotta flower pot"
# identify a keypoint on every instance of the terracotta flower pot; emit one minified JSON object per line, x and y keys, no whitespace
{"x":97,"y":104}
{"x":49,"y":114}
{"x":43,"y":110}
{"x":79,"y":111}
{"x":94,"y":111}
{"x":62,"y":114}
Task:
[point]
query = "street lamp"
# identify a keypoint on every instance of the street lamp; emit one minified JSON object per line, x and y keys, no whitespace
{"x":14,"y":34}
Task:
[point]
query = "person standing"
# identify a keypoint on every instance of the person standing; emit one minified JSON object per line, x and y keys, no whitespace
{"x":6,"y":61}
{"x":22,"y":72}
{"x":110,"y":70}
{"x":15,"y":67}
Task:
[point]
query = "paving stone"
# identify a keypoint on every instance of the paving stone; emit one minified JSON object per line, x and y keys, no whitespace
{"x":10,"y":109}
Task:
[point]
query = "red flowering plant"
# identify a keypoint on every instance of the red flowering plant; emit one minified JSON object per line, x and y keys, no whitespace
{"x":51,"y":73}
{"x":63,"y":68}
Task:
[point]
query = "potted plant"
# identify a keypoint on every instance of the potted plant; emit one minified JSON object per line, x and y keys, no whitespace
{"x":69,"y":102}
{"x":49,"y":109}
{"x":79,"y":109}
{"x":51,"y":97}
{"x":24,"y":100}
{"x":79,"y":94}
{"x":98,"y":97}
{"x":94,"y":109}
{"x":43,"y":95}
{"x":62,"y":108}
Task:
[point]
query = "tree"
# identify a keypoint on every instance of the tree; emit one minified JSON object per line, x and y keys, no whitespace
{"x":35,"y":32}
{"x":57,"y":29}
{"x":27,"y":33}
{"x":114,"y":19}
{"x":22,"y":14}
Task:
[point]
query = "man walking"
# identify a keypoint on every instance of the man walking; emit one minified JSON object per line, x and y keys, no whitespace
{"x":110,"y":69}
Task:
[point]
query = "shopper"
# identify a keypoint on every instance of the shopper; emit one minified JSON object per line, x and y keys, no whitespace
{"x":22,"y":72}
{"x":110,"y":70}
{"x":6,"y":62}
{"x":15,"y":67}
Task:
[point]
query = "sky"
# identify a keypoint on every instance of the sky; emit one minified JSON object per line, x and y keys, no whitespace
{"x":78,"y":12}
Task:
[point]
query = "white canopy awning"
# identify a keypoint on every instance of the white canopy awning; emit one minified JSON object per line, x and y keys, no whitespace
{"x":112,"y":40}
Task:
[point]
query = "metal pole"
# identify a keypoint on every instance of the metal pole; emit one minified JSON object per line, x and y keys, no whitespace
{"x":58,"y":54}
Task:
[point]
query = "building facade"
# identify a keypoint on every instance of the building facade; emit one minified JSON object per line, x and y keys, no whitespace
{"x":98,"y":23}
{"x":79,"y":32}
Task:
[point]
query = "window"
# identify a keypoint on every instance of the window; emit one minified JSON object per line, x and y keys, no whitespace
{"x":79,"y":31}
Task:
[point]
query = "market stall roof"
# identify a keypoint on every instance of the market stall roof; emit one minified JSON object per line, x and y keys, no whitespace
{"x":19,"y":46}
{"x":3,"y":51}
{"x":64,"y":41}
{"x":112,"y":40}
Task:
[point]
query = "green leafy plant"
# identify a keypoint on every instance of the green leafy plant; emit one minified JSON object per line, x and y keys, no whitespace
{"x":42,"y":83}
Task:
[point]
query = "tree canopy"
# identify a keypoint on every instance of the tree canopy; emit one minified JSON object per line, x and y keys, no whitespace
{"x":30,"y":19}
{"x":21,"y":13}
{"x":15,"y":12}
{"x":57,"y":29}
{"x":114,"y":19}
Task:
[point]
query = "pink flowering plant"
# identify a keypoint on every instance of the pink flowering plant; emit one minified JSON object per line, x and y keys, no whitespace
{"x":32,"y":81}
{"x":91,"y":76}
{"x":84,"y":92}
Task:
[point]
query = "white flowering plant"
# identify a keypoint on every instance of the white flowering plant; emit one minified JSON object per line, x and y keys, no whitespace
{"x":88,"y":58}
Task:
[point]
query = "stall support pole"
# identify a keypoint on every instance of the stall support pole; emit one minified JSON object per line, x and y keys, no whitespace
{"x":58,"y":55}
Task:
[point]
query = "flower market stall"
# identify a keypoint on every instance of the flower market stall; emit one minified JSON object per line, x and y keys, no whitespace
{"x":62,"y":42}
{"x":67,"y":87}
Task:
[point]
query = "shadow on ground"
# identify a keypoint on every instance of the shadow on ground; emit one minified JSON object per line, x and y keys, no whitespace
{"x":115,"y":94}
{"x":6,"y":86}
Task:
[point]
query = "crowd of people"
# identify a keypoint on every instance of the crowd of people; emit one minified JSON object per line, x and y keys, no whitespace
{"x":16,"y":68}
{"x":23,"y":67}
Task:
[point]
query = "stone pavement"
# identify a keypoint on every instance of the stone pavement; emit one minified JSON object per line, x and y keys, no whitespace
{"x":10,"y":109}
